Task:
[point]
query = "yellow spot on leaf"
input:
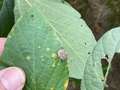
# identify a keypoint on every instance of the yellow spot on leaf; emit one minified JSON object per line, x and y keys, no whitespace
{"x":54,"y":55}
{"x":53,"y":65}
{"x":52,"y":88}
{"x":65,"y":84}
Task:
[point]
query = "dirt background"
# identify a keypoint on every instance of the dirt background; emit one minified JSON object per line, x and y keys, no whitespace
{"x":100,"y":15}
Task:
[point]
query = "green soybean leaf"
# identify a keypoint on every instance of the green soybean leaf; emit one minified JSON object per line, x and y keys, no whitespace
{"x":67,"y":23}
{"x":33,"y":46}
{"x":6,"y":17}
{"x":91,"y":80}
{"x":106,"y":47}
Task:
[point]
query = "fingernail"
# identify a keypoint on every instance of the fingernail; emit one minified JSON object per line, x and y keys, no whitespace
{"x":12,"y":78}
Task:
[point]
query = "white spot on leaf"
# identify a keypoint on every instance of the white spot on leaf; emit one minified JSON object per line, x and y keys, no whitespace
{"x":47,"y":49}
{"x":42,"y":59}
{"x":41,"y":56}
{"x":39,"y":47}
{"x":28,"y":57}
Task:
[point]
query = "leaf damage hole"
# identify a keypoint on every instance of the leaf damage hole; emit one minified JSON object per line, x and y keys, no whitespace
{"x":106,"y":56}
{"x":74,"y":84}
{"x":104,"y":63}
{"x":113,"y":77}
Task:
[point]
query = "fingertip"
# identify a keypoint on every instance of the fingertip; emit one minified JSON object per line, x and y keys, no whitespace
{"x":12,"y":78}
{"x":2,"y":43}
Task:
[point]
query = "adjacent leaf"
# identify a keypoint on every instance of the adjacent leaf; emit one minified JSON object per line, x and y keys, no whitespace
{"x":106,"y":47}
{"x":6,"y":17}
{"x":113,"y":78}
{"x":91,"y":80}
{"x":33,"y":45}
{"x":72,"y":31}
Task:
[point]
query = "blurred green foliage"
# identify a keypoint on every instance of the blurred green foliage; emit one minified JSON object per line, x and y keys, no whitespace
{"x":1,"y":1}
{"x":6,"y":17}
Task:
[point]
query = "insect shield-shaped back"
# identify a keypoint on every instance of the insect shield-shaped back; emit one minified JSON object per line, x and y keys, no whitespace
{"x":62,"y":54}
